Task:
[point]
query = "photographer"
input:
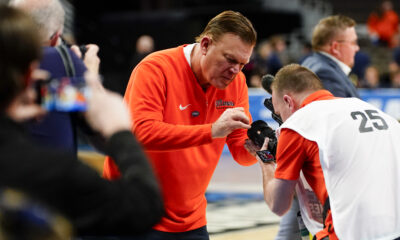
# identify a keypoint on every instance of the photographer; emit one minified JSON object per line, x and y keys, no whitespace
{"x":59,"y":129}
{"x":94,"y":205}
{"x":342,"y":146}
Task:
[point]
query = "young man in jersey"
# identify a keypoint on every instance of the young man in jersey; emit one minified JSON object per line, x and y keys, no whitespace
{"x":342,"y":146}
{"x":186,"y":103}
{"x":334,"y":42}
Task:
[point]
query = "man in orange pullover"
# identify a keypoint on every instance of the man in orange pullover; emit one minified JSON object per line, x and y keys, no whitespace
{"x":186,"y":103}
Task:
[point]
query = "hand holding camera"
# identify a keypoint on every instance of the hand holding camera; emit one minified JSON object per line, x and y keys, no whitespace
{"x":107,"y":112}
{"x":88,"y":53}
{"x":258,"y":132}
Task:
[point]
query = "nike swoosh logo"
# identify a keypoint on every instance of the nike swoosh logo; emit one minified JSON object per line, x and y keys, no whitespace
{"x":183,"y":108}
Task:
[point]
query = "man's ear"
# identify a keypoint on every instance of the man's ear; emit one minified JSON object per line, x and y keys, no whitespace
{"x":28,"y":74}
{"x":55,"y":39}
{"x":289,"y":100}
{"x":204,"y":44}
{"x":334,"y":49}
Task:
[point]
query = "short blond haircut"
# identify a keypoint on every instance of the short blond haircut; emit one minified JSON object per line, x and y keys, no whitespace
{"x":230,"y":22}
{"x":296,"y":79}
{"x":328,"y":28}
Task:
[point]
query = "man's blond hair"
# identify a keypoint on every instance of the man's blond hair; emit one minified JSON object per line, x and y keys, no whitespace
{"x":328,"y":28}
{"x":230,"y":22}
{"x":296,"y":79}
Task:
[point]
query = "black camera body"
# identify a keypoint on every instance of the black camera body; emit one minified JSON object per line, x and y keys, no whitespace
{"x":269,"y":106}
{"x":259,"y":131}
{"x":64,"y":94}
{"x":83,"y":50}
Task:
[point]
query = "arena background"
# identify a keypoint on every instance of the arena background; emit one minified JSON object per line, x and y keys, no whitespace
{"x":236,"y":209}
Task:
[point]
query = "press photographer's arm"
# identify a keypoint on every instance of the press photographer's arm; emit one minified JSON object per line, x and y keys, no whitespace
{"x":278,"y":193}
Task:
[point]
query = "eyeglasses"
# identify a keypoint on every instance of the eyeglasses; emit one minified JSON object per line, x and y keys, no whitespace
{"x":354,"y":42}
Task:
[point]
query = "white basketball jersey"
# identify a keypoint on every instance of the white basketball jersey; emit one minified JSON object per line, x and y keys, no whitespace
{"x":359,"y":150}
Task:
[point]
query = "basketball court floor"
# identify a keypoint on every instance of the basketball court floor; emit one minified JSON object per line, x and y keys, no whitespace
{"x":236,"y":208}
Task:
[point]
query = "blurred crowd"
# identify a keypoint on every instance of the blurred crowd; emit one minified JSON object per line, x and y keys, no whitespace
{"x":371,"y":68}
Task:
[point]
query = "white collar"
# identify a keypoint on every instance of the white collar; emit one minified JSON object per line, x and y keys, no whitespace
{"x":346,"y":69}
{"x":187,"y":51}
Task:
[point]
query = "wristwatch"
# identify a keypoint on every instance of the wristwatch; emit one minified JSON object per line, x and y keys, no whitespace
{"x":265,"y":156}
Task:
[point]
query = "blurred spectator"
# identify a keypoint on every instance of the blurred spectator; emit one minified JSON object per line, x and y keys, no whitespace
{"x":361,"y":62}
{"x":268,"y":58}
{"x":394,"y":64}
{"x":262,"y":55}
{"x":383,"y":24}
{"x":395,"y":61}
{"x":306,"y":51}
{"x":144,"y":46}
{"x":395,"y":79}
{"x":258,"y":63}
{"x":254,"y":80}
{"x":279,"y":47}
{"x":277,"y":57}
{"x":371,"y":78}
{"x":274,"y":63}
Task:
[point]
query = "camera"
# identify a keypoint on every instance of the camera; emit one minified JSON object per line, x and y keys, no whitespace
{"x":83,"y":50}
{"x":269,"y":106}
{"x":259,"y":131}
{"x":65,"y":94}
{"x":266,"y":82}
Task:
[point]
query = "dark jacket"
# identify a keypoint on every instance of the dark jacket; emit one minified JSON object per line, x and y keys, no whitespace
{"x":58,"y":129}
{"x":331,"y":75}
{"x":94,"y":205}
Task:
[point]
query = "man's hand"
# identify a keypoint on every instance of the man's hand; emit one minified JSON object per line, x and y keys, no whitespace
{"x":230,"y":120}
{"x":251,"y":147}
{"x":23,"y":107}
{"x":91,"y":60}
{"x":107,"y":112}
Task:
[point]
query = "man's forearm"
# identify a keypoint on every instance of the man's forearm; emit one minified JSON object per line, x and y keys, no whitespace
{"x":156,"y":135}
{"x":268,"y":170}
{"x":278,"y":193}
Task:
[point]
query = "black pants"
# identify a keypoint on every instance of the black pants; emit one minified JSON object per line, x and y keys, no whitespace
{"x":196,"y":234}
